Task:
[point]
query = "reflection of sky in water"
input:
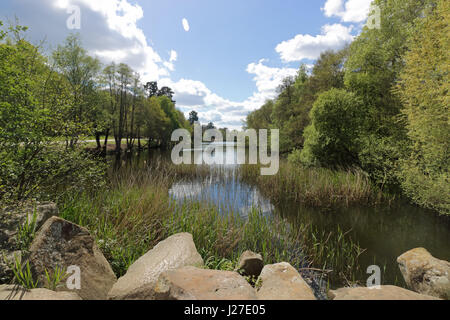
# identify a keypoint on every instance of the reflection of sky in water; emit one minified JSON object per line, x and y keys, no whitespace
{"x":227,"y":193}
{"x":217,"y":153}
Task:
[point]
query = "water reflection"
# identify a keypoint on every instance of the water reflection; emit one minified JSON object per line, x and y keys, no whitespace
{"x":227,"y":194}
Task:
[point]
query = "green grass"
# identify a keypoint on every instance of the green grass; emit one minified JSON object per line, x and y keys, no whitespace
{"x":135,"y":212}
{"x":314,"y":187}
{"x":27,"y":232}
{"x":23,"y":275}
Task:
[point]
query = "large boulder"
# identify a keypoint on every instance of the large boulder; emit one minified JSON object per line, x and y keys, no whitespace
{"x":8,"y":292}
{"x":381,"y":293}
{"x":282,"y":282}
{"x":190,"y":283}
{"x":62,"y":244}
{"x":11,"y":220}
{"x":250,"y":264}
{"x":425,"y":274}
{"x":139,"y":281}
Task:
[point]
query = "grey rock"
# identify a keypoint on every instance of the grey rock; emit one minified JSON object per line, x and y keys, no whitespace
{"x":8,"y":292}
{"x":190,"y":283}
{"x":13,"y":218}
{"x":382,"y":293}
{"x":138,"y":283}
{"x":62,"y":244}
{"x":425,"y":274}
{"x":250,"y":264}
{"x":282,"y":282}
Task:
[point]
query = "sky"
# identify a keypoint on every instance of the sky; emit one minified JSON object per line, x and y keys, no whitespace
{"x":222,"y":58}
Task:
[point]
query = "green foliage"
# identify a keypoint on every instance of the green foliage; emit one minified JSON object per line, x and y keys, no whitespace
{"x":375,"y":61}
{"x":33,"y":111}
{"x":314,"y":187}
{"x":332,"y":139}
{"x":55,"y":278}
{"x":23,"y":275}
{"x":424,"y":88}
{"x":289,"y":112}
{"x":27,"y":232}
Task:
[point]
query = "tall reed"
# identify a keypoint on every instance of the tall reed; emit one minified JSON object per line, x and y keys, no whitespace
{"x":135,"y":212}
{"x":316,"y":187}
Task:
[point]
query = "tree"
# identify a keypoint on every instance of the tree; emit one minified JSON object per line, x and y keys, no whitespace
{"x":124,"y":76}
{"x":261,"y":118}
{"x":151,"y":88}
{"x":193,"y":117}
{"x":332,"y":138}
{"x":81,"y":72}
{"x":35,"y":101}
{"x":424,"y":89}
{"x":376,"y":58}
{"x":166,"y":92}
{"x":328,"y":71}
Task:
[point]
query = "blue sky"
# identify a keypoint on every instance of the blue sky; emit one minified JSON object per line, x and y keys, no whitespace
{"x":227,"y":63}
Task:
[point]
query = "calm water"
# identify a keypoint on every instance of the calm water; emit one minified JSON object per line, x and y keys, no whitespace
{"x":385,"y":232}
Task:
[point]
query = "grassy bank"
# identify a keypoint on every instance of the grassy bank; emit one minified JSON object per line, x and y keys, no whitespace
{"x":315,"y":187}
{"x":135,"y":212}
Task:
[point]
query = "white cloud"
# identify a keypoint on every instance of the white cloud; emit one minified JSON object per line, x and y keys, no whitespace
{"x":109,"y":31}
{"x":305,"y":46}
{"x":268,"y":79}
{"x":195,"y":95}
{"x":348,"y":11}
{"x":186,"y":26}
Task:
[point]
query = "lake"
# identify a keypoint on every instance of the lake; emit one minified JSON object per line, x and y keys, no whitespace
{"x":385,"y":232}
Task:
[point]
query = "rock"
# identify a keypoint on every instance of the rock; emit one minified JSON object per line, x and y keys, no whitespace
{"x":8,"y":292}
{"x":139,"y":281}
{"x":8,"y":259}
{"x":62,"y":244}
{"x":425,"y":274}
{"x":190,"y":283}
{"x":250,"y":264}
{"x":11,"y":219}
{"x":383,"y":293}
{"x":282,"y":282}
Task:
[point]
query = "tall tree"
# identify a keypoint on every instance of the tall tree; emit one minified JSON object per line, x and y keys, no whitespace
{"x":375,"y":61}
{"x":193,"y":117}
{"x":166,"y":92}
{"x":424,"y":89}
{"x":151,"y":88}
{"x":81,"y":72}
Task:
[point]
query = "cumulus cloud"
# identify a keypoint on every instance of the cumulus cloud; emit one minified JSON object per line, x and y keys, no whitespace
{"x":305,"y":46}
{"x":195,"y":95}
{"x":109,"y":31}
{"x":348,"y":11}
{"x":268,"y":79}
{"x":186,"y":26}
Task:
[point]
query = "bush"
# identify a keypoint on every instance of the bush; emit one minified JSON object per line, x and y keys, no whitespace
{"x":332,"y":138}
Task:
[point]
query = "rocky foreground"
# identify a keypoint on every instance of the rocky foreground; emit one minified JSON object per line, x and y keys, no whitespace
{"x":174,"y":270}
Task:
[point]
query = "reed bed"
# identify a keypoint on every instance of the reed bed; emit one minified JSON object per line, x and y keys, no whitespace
{"x":314,"y":187}
{"x":135,"y":212}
